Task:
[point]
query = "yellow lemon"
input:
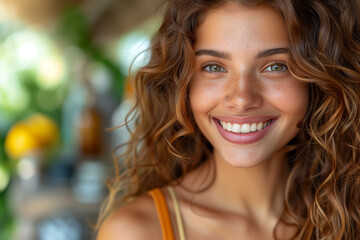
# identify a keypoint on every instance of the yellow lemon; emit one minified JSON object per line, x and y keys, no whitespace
{"x":35,"y":133}
{"x":43,"y":128}
{"x":20,"y":141}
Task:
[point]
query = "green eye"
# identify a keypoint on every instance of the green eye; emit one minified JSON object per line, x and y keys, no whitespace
{"x":214,"y":68}
{"x":276,"y":67}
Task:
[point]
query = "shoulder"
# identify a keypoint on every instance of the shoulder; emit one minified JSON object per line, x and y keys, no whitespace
{"x":136,"y":220}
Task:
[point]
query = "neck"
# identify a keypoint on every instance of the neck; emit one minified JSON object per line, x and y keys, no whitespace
{"x":254,"y":191}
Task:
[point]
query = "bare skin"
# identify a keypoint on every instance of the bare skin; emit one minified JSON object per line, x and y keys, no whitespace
{"x":206,"y":215}
{"x":245,"y":200}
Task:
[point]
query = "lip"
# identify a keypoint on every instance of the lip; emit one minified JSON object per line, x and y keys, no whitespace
{"x":244,"y":138}
{"x":241,"y":120}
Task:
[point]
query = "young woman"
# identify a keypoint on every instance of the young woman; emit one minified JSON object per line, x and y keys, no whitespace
{"x":247,"y":125}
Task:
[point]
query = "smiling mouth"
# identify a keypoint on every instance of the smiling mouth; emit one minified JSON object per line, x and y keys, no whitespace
{"x":245,"y":127}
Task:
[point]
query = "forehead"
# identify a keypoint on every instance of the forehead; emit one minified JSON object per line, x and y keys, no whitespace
{"x":233,"y":22}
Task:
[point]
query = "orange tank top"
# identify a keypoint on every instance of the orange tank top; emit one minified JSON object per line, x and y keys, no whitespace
{"x":164,"y":215}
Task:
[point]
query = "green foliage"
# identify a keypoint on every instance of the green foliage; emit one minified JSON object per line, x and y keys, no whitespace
{"x":27,"y":78}
{"x":75,"y":30}
{"x":6,"y":219}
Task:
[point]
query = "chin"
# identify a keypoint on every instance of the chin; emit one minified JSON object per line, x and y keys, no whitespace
{"x":245,"y":160}
{"x":245,"y":163}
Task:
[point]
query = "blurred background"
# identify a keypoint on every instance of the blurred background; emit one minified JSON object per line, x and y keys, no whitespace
{"x":63,"y":82}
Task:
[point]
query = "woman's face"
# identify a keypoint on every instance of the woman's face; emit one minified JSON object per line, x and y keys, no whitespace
{"x":243,"y":97}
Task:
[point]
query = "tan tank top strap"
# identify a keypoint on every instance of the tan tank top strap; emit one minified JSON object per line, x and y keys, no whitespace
{"x":178,"y":216}
{"x":163,"y":214}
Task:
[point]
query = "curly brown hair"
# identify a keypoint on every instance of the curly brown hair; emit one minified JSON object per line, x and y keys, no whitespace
{"x":323,"y":189}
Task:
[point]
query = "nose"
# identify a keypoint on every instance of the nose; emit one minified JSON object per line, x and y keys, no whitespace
{"x":243,"y":93}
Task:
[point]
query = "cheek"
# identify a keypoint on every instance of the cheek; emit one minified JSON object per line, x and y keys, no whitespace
{"x":203,"y":96}
{"x":291,"y":98}
{"x":300,"y":98}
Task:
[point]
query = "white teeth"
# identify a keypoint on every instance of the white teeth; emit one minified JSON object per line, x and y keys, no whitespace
{"x":228,"y":126}
{"x":244,"y":128}
{"x":253,"y":127}
{"x":266,"y":124}
{"x":236,"y":128}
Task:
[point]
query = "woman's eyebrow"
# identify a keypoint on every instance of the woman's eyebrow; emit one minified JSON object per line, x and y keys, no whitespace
{"x":272,"y":51}
{"x":225,"y":55}
{"x":214,"y":53}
